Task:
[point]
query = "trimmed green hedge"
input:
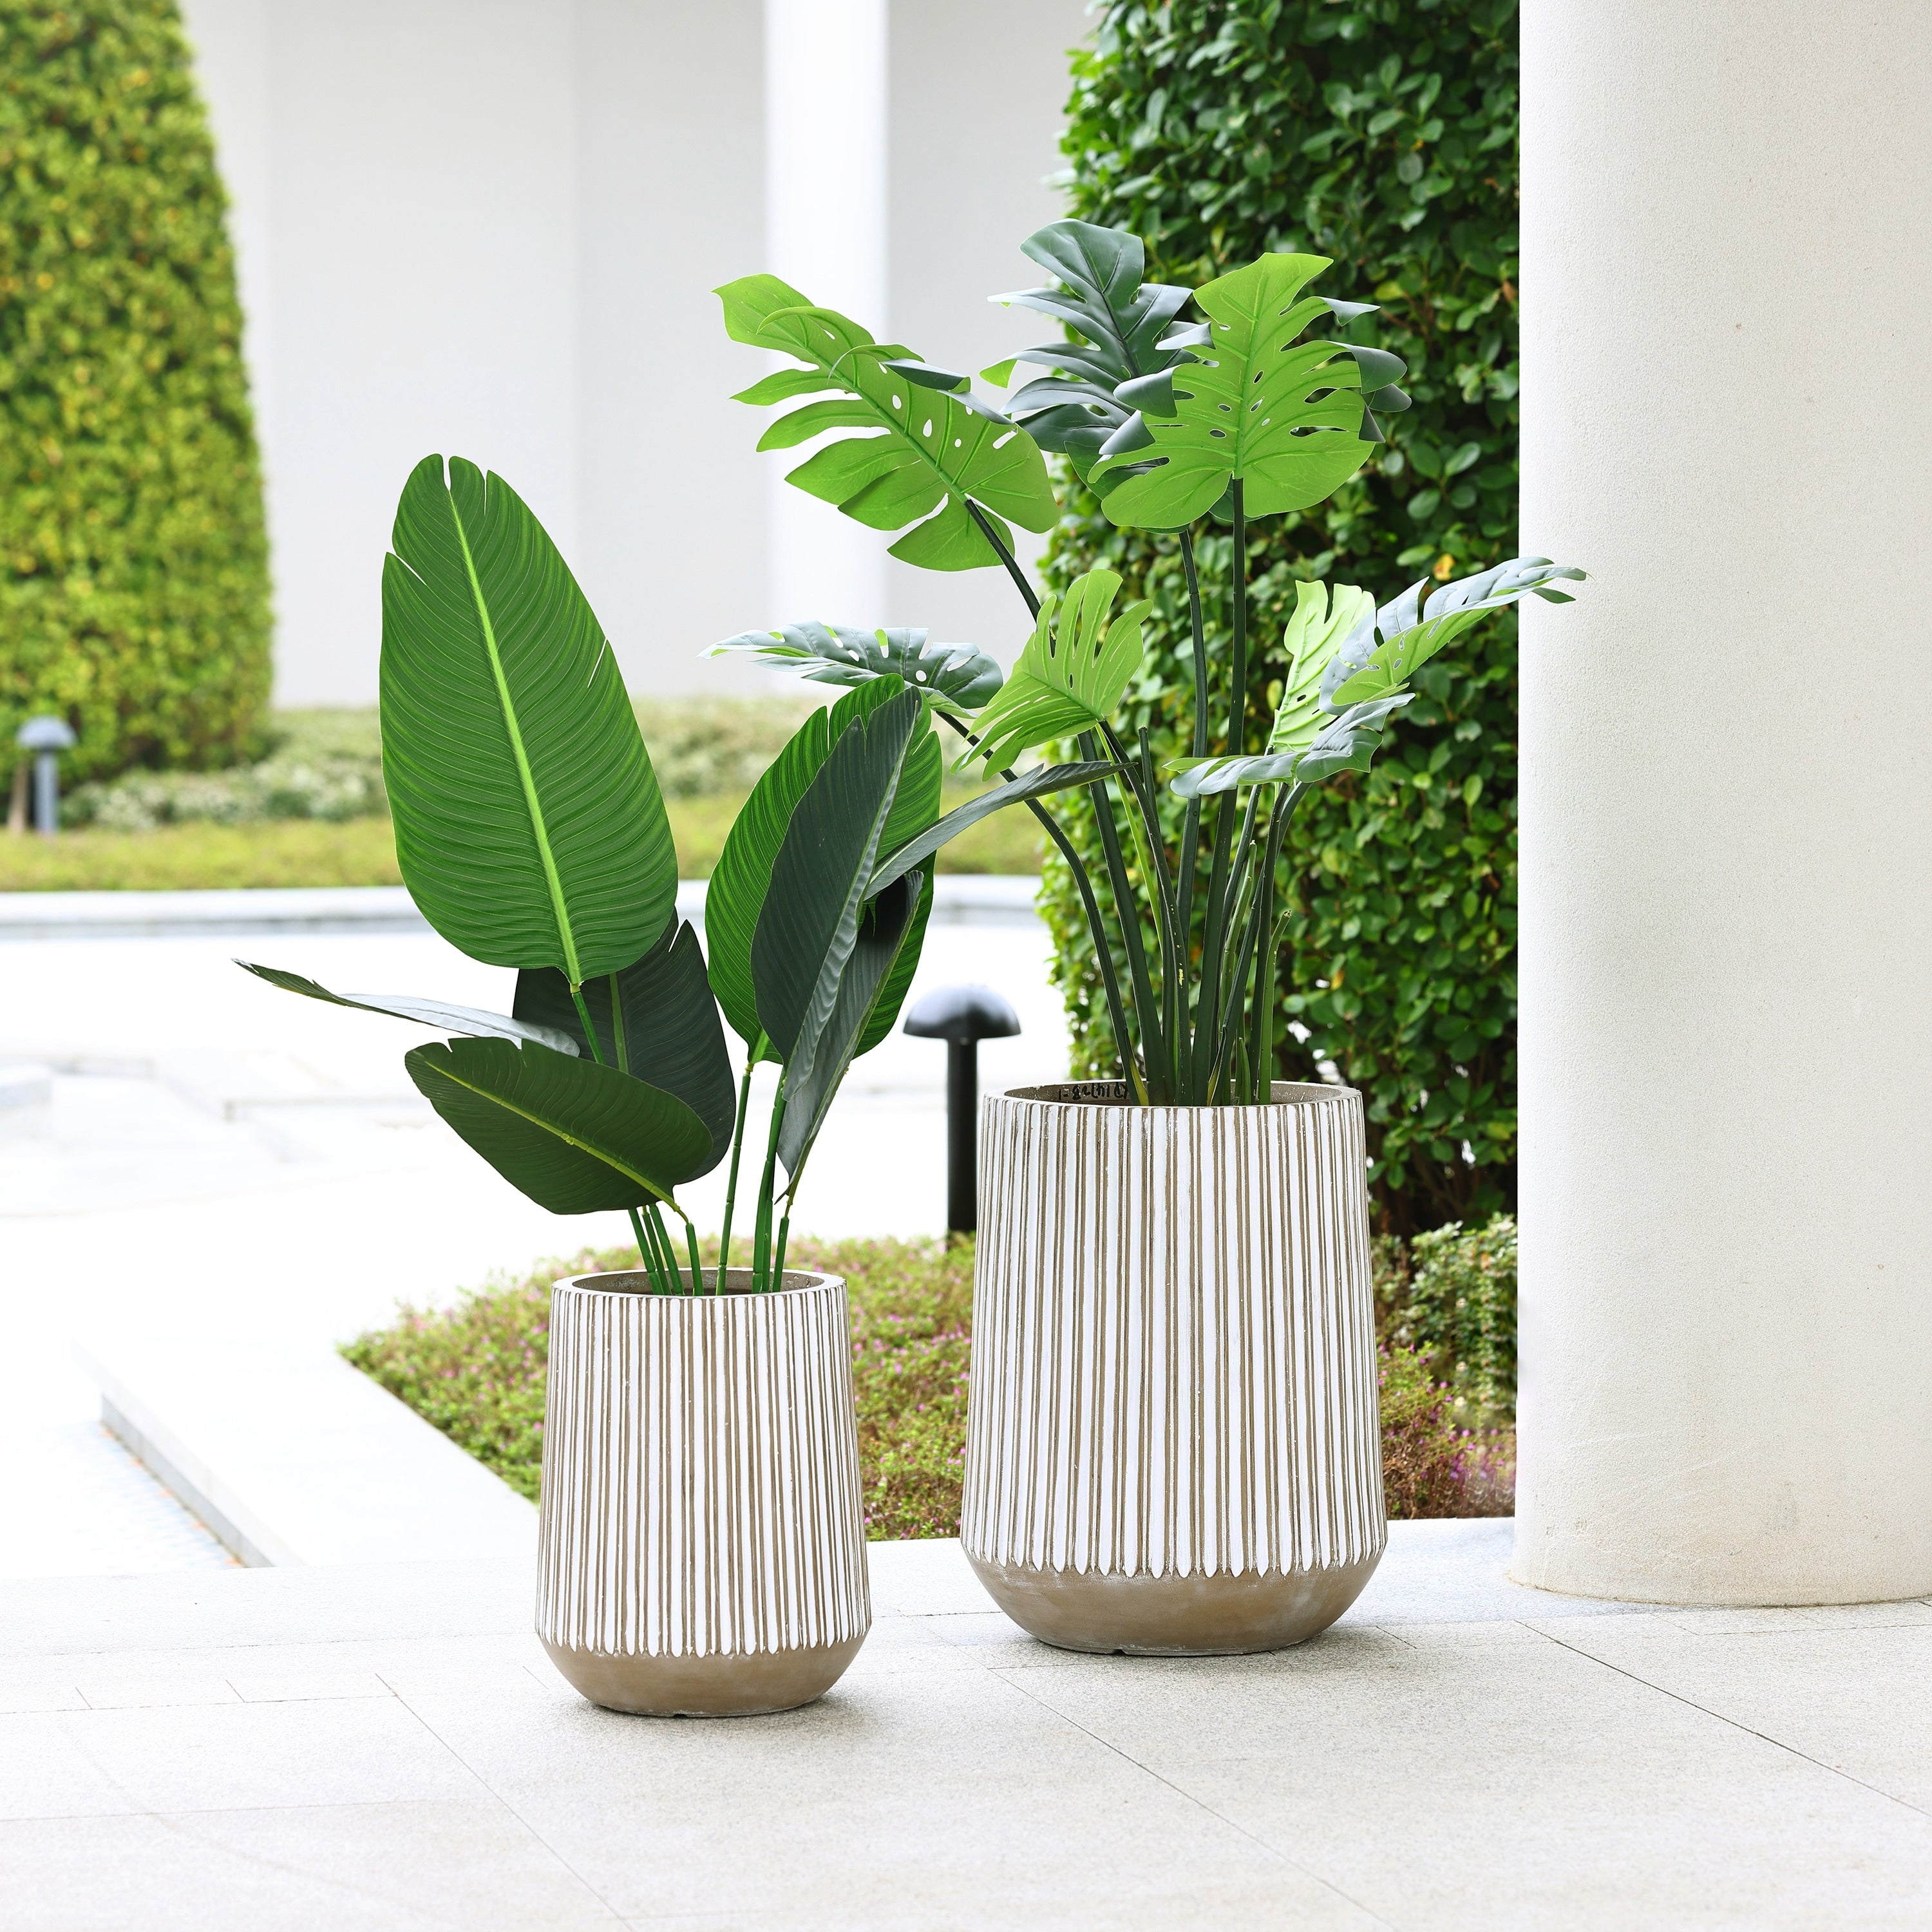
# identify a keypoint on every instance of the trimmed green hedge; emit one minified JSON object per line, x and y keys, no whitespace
{"x":1382,"y":134}
{"x":134,"y":559}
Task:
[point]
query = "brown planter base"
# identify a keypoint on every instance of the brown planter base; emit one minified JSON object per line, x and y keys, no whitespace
{"x":725,"y":1685}
{"x":1146,"y":1616}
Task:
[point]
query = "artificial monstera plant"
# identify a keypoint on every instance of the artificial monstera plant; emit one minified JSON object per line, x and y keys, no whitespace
{"x":531,"y":834}
{"x":1239,"y":399}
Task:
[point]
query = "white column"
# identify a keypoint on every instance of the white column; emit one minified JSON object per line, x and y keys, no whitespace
{"x":825,"y":233}
{"x":1727,"y":967}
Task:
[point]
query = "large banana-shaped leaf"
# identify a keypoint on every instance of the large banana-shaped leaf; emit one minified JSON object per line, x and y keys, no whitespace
{"x":529,"y":825}
{"x":1285,"y":418}
{"x":1386,"y":648}
{"x":1070,"y":676}
{"x":1098,"y":292}
{"x":1344,"y":744}
{"x":926,"y":450}
{"x":656,"y":1020}
{"x":954,"y":677}
{"x":577,"y":1137}
{"x":438,"y":1013}
{"x":880,"y":942}
{"x":816,"y":913}
{"x":742,"y":879}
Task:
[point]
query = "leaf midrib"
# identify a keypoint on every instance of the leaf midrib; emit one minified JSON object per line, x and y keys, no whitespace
{"x":538,"y":828}
{"x":556,"y":1132}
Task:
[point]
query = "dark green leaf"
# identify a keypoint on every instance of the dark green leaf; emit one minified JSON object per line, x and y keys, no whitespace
{"x":809,"y":922}
{"x":656,"y":1021}
{"x":742,"y":875}
{"x":577,"y":1137}
{"x":529,"y":827}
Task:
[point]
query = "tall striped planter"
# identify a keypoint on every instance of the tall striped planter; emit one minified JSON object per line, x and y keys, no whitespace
{"x":1173,"y":1445}
{"x":701,"y":1547}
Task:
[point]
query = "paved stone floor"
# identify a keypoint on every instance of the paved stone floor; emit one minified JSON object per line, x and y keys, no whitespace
{"x":223,"y":1160}
{"x":388,"y":1748}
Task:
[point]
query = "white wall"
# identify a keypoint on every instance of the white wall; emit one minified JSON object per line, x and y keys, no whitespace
{"x":490,"y":228}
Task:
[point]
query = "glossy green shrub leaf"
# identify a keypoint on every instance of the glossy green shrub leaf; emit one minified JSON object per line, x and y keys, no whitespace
{"x":1219,"y":129}
{"x":923,"y":450}
{"x":438,"y":1013}
{"x":134,"y":569}
{"x":577,"y":1137}
{"x":656,"y":1020}
{"x":529,"y":825}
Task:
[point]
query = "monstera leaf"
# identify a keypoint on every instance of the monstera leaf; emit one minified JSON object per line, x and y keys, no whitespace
{"x":529,"y":825}
{"x":924,"y":448}
{"x":820,"y":953}
{"x":436,"y":1013}
{"x":959,"y":677}
{"x":577,"y":1137}
{"x":656,"y":1020}
{"x":741,"y":880}
{"x":1099,"y":292}
{"x":1323,"y":619}
{"x":1386,"y":648}
{"x":1070,"y":676}
{"x":1285,"y":419}
{"x":1344,"y":744}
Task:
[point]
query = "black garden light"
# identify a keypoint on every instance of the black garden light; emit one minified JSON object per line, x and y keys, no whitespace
{"x":46,"y":738}
{"x":962,"y":1016}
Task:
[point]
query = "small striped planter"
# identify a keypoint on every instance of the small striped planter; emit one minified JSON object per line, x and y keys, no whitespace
{"x":1173,"y":1445}
{"x":701,"y":1548}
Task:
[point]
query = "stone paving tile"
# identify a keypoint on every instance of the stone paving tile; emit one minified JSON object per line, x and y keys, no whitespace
{"x":338,"y":1868}
{"x":237,"y":1755}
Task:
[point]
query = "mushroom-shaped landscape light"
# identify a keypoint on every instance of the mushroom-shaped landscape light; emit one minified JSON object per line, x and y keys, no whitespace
{"x":962,"y":1016}
{"x":46,"y":738}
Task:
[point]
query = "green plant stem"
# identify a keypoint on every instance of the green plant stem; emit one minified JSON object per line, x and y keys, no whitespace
{"x":1103,"y":951}
{"x":1005,"y":555}
{"x":757,"y":1048}
{"x":697,"y":1265}
{"x":1261,"y":1012}
{"x":784,"y":1235}
{"x":1146,"y":1008}
{"x":761,"y":1237}
{"x":1150,"y":849}
{"x":1189,"y":864}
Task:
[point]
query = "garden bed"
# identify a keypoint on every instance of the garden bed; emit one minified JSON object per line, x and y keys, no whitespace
{"x":476,"y":1371}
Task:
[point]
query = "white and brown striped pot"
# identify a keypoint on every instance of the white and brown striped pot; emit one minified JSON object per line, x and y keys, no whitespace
{"x":701,"y":1547}
{"x":1173,"y":1445}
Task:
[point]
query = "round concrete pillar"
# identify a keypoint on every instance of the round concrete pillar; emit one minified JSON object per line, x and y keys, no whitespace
{"x":1727,"y":960}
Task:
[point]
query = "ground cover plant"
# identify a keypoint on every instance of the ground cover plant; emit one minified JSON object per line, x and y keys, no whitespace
{"x":133,"y":556}
{"x":476,"y":1371}
{"x":1382,"y":134}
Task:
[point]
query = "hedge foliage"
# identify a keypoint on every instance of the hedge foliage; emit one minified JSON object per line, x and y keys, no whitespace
{"x":133,"y":559}
{"x":1383,"y":133}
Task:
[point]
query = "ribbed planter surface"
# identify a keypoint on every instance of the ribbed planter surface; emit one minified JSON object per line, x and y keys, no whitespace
{"x":701,"y":1544}
{"x":1173,"y":1444}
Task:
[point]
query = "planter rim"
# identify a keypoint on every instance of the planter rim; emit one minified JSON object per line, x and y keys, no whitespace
{"x":1055,"y":1094}
{"x":797,"y":1281}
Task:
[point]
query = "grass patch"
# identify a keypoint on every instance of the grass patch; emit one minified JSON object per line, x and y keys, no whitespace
{"x":197,"y":853}
{"x":476,"y":1371}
